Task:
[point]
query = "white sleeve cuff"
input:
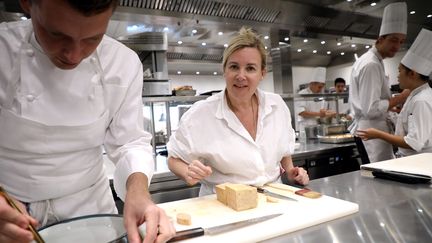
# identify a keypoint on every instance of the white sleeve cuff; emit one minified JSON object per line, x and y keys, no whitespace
{"x":134,"y":161}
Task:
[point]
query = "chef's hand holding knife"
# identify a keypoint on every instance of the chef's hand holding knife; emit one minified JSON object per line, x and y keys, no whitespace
{"x":196,"y":171}
{"x":14,"y":225}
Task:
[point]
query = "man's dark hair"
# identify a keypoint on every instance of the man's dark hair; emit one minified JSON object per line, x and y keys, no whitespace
{"x":90,"y":7}
{"x":339,"y":80}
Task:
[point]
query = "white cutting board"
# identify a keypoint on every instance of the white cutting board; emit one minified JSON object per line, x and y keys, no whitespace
{"x":417,"y":164}
{"x":207,"y":211}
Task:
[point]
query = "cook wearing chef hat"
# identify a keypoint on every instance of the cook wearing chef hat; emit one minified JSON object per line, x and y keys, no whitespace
{"x":369,"y":95}
{"x":309,"y":109}
{"x":413,"y":130}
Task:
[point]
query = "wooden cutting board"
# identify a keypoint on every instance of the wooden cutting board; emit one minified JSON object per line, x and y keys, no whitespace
{"x":207,"y":211}
{"x":417,"y":164}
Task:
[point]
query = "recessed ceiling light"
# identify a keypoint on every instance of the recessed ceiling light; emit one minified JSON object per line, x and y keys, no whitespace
{"x":367,"y":46}
{"x":339,"y":44}
{"x":166,"y":29}
{"x":412,"y":12}
{"x":265,"y":47}
{"x":287,"y":38}
{"x":266,"y":37}
{"x":373,"y":4}
{"x":194,"y":31}
{"x":314,"y":51}
{"x":429,"y":16}
{"x":197,"y":73}
{"x":353,"y":45}
{"x":349,"y":0}
{"x":214,"y":73}
{"x":203,"y":44}
{"x":23,"y":18}
{"x":178,"y":72}
{"x":220,"y":33}
{"x":179,"y":42}
{"x":342,"y":53}
{"x":305,"y":40}
{"x":225,"y":45}
{"x":328,"y":52}
{"x":322,"y":42}
{"x":299,"y":50}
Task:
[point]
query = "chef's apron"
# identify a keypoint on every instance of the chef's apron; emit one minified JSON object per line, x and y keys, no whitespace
{"x":57,"y":171}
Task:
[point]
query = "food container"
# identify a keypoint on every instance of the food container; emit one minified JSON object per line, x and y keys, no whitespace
{"x":339,"y":138}
{"x":332,"y":129}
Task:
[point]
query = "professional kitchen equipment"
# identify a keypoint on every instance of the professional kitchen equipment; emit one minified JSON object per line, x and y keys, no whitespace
{"x":156,"y":88}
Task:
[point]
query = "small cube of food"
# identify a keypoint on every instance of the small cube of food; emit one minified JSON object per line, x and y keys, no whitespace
{"x":184,"y":219}
{"x":271,"y":199}
{"x":241,"y":197}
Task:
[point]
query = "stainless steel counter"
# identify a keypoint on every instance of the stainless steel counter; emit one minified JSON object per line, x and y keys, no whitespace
{"x":388,"y":212}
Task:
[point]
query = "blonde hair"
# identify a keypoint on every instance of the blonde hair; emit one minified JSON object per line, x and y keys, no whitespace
{"x":246,"y":38}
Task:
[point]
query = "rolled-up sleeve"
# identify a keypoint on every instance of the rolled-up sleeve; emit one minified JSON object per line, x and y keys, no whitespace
{"x":126,"y":142}
{"x":370,"y":84}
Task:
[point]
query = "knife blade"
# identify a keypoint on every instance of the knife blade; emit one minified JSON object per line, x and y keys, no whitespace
{"x":199,"y":231}
{"x":276,"y":195}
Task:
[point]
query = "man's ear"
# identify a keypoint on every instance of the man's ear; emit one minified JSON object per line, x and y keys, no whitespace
{"x":26,"y":5}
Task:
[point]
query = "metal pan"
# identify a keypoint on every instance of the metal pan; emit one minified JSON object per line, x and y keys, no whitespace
{"x":340,"y":138}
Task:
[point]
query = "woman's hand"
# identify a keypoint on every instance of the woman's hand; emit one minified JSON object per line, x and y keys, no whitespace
{"x":196,"y":172}
{"x":298,"y":175}
{"x":369,"y":133}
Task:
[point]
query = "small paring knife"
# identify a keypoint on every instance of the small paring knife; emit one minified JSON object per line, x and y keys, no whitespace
{"x":276,"y":195}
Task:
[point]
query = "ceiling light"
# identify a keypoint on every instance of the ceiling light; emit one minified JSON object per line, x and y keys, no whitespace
{"x":322,"y":42}
{"x":165,"y":29}
{"x":305,"y":40}
{"x":342,"y":53}
{"x":373,"y":4}
{"x":353,"y":45}
{"x":429,"y":16}
{"x":412,"y":12}
{"x":367,"y":46}
{"x":23,"y":18}
{"x":314,"y":51}
{"x":203,"y":44}
{"x":328,"y":52}
{"x":299,"y":50}
{"x":194,"y":31}
{"x":287,"y":38}
{"x":225,"y":45}
{"x":197,"y":73}
{"x":265,"y":47}
{"x":339,"y":44}
{"x":220,"y":33}
{"x":214,"y":73}
{"x":178,"y":72}
{"x":266,"y":37}
{"x":179,"y":42}
{"x":349,"y":0}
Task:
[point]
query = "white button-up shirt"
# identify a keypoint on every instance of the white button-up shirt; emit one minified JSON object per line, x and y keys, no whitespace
{"x":210,"y":132}
{"x":414,"y":123}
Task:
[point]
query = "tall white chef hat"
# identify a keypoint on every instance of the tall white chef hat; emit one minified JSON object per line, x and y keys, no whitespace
{"x":394,"y":19}
{"x":319,"y":75}
{"x":419,"y":56}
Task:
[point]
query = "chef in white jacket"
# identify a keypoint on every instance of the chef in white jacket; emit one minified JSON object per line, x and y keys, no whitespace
{"x":309,"y":110}
{"x":66,"y":89}
{"x":369,"y":92}
{"x":413,"y":128}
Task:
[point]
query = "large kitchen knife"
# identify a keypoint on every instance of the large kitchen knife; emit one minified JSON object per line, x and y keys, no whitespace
{"x":276,"y":195}
{"x":195,"y":232}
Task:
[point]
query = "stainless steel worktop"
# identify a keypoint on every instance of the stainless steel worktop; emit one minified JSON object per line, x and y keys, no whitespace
{"x":388,"y":212}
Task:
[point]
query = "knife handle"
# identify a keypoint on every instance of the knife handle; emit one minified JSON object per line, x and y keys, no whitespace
{"x":187,"y":234}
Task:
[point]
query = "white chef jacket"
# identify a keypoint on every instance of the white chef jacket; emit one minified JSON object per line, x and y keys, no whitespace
{"x":308,"y":105}
{"x":210,"y":132}
{"x":413,"y":122}
{"x":369,"y":94}
{"x":102,"y":95}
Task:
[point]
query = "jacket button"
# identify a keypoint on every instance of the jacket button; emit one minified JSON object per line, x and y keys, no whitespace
{"x":30,"y":98}
{"x":93,"y":59}
{"x":91,"y":97}
{"x":30,"y":52}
